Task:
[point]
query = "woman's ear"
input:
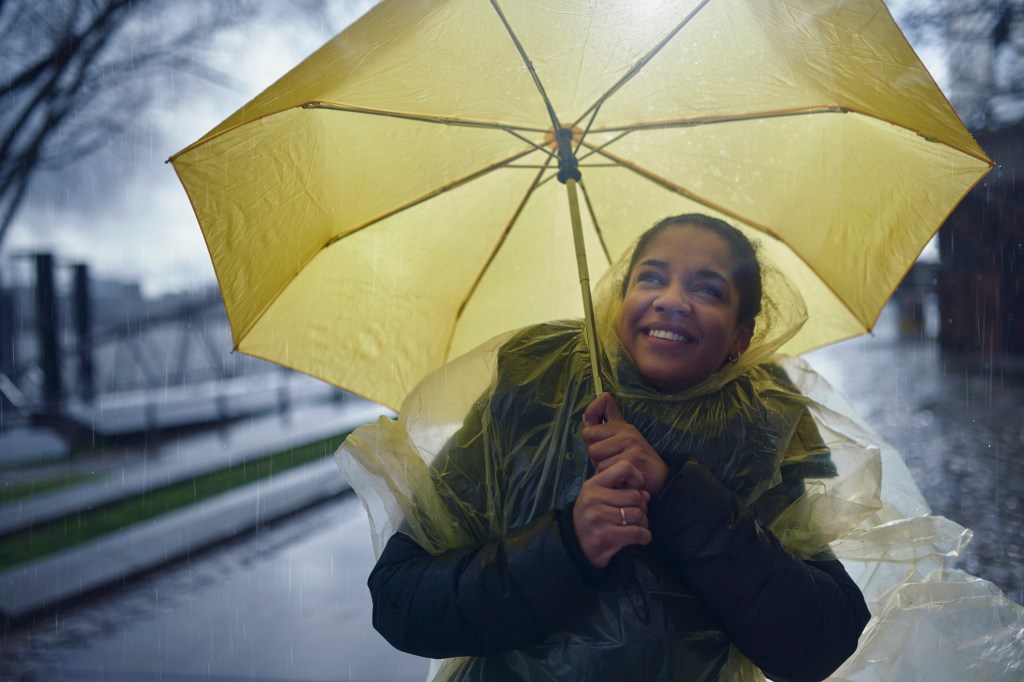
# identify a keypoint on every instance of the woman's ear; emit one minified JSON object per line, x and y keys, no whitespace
{"x":744,"y":333}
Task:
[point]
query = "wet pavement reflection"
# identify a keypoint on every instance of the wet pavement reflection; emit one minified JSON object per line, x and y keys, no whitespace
{"x":289,"y":602}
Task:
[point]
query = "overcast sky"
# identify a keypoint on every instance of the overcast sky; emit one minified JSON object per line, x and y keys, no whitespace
{"x":125,"y":213}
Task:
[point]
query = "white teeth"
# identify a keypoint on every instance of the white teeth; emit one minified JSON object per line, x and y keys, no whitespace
{"x":663,"y":334}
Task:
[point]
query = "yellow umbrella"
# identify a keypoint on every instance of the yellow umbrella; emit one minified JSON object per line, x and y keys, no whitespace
{"x":392,"y":201}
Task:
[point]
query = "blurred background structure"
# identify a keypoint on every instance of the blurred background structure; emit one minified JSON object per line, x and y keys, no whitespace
{"x":116,"y":373}
{"x":980,"y":275}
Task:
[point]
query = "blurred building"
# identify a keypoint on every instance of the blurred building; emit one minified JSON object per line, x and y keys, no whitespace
{"x":981,"y":278}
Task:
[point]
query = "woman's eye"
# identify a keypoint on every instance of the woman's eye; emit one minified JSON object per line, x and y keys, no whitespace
{"x":710,"y":290}
{"x":648,"y":277}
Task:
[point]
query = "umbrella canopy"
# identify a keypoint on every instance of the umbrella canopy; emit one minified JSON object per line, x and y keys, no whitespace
{"x":392,"y":201}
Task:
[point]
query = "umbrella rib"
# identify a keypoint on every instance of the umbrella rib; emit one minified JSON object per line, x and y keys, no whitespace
{"x":588,"y":165}
{"x":555,"y":125}
{"x":590,"y":124}
{"x":353,"y":109}
{"x":682,"y":191}
{"x":431,"y":194}
{"x":490,"y":259}
{"x":441,"y":120}
{"x":709,"y":120}
{"x":596,"y":149}
{"x":425,"y":118}
{"x":643,"y":61}
{"x":765,"y":115}
{"x":594,"y":221}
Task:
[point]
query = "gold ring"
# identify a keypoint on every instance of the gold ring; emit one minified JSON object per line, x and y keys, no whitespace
{"x":623,"y":513}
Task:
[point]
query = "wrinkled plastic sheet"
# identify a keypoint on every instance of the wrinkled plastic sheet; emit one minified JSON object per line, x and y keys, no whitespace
{"x":929,"y":620}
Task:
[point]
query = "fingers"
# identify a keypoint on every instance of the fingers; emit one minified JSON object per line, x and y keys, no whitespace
{"x":615,"y":441}
{"x":601,"y":409}
{"x":608,"y":519}
{"x":630,"y":516}
{"x":616,"y":497}
{"x":605,"y":440}
{"x":619,"y":474}
{"x":602,"y":504}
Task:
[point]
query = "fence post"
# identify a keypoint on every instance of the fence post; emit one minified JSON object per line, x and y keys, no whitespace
{"x":8,"y":334}
{"x":82,"y":316}
{"x":48,"y":329}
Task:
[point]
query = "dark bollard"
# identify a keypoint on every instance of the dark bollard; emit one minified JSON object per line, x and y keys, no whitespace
{"x":47,"y":328}
{"x":82,"y":316}
{"x":284,"y":402}
{"x":8,"y":334}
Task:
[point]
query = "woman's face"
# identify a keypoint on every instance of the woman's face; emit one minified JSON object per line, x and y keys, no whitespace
{"x":678,"y":318}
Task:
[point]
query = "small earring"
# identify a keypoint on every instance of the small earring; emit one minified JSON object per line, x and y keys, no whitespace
{"x":734,"y":358}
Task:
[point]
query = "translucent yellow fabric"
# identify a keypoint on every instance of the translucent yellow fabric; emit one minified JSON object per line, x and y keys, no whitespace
{"x":390,"y":203}
{"x":452,"y":480}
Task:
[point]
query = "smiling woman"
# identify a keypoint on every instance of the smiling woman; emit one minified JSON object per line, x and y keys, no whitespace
{"x":682,"y":301}
{"x":552,"y":534}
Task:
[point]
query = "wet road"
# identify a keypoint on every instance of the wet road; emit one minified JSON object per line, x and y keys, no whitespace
{"x":289,"y":602}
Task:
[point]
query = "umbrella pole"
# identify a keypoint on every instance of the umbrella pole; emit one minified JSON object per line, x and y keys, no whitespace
{"x":589,"y":326}
{"x":568,"y":175}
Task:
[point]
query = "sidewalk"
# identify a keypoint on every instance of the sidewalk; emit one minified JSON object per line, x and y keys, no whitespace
{"x":288,"y":602}
{"x":50,"y":580}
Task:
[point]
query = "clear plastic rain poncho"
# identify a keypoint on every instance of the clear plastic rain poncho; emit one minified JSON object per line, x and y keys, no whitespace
{"x":491,"y":441}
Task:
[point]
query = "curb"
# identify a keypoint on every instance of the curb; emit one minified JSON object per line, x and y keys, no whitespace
{"x":57,"y":578}
{"x":47,"y":506}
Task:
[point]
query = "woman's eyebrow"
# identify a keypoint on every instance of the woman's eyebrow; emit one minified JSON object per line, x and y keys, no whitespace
{"x":712,"y":274}
{"x":655,"y":263}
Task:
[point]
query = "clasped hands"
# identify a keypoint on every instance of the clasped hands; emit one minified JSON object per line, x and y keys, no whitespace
{"x":611,"y":510}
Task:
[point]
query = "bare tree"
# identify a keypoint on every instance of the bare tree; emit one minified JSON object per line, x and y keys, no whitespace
{"x":984,"y":43}
{"x":73,"y":73}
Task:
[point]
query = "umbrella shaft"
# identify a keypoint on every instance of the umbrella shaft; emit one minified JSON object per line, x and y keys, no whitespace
{"x":581,"y":266}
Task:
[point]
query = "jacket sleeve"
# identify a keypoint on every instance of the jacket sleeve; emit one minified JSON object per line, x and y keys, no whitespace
{"x":477,"y":601}
{"x":796,"y":620}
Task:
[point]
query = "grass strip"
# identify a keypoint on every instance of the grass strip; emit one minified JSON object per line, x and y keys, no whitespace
{"x":9,"y":492}
{"x":60,"y":534}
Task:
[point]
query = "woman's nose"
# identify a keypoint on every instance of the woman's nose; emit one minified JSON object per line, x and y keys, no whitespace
{"x":673,"y":300}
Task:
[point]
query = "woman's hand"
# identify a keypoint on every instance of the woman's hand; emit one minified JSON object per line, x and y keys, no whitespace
{"x":611,"y":513}
{"x":611,"y":439}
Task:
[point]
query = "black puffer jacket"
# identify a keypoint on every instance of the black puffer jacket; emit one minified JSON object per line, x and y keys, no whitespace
{"x":524,"y":603}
